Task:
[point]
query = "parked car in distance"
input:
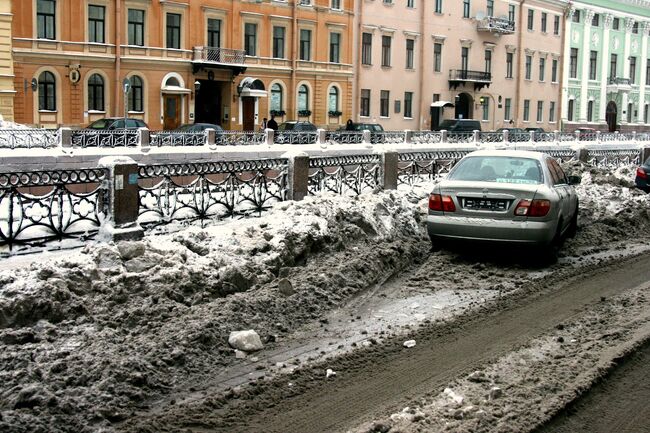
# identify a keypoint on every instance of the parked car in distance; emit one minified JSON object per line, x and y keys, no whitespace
{"x":516,"y":134}
{"x":284,"y":133}
{"x":297,"y":126}
{"x":505,"y":196}
{"x":587,"y":134}
{"x":535,"y":129}
{"x":198,"y":127}
{"x":372,"y":127}
{"x":459,"y":125}
{"x":642,"y":179}
{"x":111,"y":123}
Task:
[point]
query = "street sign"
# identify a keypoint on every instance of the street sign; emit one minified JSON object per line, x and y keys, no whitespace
{"x":126,"y":85}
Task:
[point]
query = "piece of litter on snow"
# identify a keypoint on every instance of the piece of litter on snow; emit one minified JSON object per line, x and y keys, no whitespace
{"x":330,"y":373}
{"x":409,"y":343}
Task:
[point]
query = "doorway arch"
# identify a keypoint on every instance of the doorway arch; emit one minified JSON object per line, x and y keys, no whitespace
{"x":611,"y":113}
{"x":464,"y":105}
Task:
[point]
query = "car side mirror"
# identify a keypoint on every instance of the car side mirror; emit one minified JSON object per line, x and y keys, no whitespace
{"x":574,"y":180}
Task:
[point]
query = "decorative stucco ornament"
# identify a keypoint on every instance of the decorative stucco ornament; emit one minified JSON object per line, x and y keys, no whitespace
{"x":576,"y":36}
{"x":595,"y":39}
{"x":617,"y":43}
{"x":635,"y":46}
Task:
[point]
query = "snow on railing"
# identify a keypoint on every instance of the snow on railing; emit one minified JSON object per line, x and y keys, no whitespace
{"x":28,"y":138}
{"x":175,"y":138}
{"x":104,"y":138}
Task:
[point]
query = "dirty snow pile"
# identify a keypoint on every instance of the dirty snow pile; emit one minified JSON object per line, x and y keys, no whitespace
{"x":89,"y":338}
{"x":6,"y":124}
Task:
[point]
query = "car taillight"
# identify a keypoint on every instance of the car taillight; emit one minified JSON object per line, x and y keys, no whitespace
{"x":535,"y":208}
{"x":441,"y":203}
{"x":641,"y":174}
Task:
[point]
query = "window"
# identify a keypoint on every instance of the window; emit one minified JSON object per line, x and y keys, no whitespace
{"x":543,"y":22}
{"x":540,"y":110}
{"x":96,"y":93}
{"x":576,"y":16}
{"x":336,"y":4}
{"x":385,"y":50}
{"x":507,"y":110}
{"x":335,"y":47}
{"x":408,"y":104}
{"x":47,"y":92}
{"x":305,"y":44}
{"x":278,"y":42}
{"x":593,"y":56}
{"x":303,"y":98}
{"x":276,"y":97}
{"x":526,"y":110}
{"x":136,"y":27}
{"x":365,"y":103}
{"x":488,"y":61}
{"x":366,"y":49}
{"x":542,"y":67}
{"x":554,"y":71}
{"x":511,"y":13}
{"x":595,"y":20}
{"x":573,"y":65}
{"x":590,"y":111}
{"x":531,"y":17}
{"x":551,"y":112}
{"x":570,"y":110}
{"x":466,"y":9}
{"x":529,"y":67}
{"x":613,"y":66}
{"x":410,"y":44}
{"x":635,"y":27}
{"x":632,"y":70}
{"x":490,"y":8}
{"x":96,"y":24}
{"x":45,"y":19}
{"x":214,"y":33}
{"x":410,"y":3}
{"x":629,"y":112}
{"x":383,"y":103}
{"x":438,"y":7}
{"x":556,"y":25}
{"x":136,"y":95}
{"x":645,"y":114}
{"x":437,"y":57}
{"x":616,"y":24}
{"x":250,"y":39}
{"x":647,"y":72}
{"x":509,"y":57}
{"x":486,"y":108}
{"x":173,"y":31}
{"x":464,"y":59}
{"x":333,"y":100}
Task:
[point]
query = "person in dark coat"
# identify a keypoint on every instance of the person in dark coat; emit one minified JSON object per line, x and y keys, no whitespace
{"x":349,"y":125}
{"x":272,"y":124}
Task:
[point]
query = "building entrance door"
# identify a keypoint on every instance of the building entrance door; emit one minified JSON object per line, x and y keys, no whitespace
{"x":172,"y":111}
{"x":435,"y":118}
{"x":464,"y":103}
{"x":207,"y":103}
{"x":610,"y":116}
{"x":248,"y":113}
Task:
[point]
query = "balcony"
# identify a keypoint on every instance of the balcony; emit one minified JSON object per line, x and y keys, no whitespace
{"x":496,"y":25}
{"x":480,"y":79}
{"x":619,"y":84}
{"x":221,"y":58}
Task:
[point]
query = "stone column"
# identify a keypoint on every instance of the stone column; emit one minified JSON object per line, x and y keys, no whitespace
{"x":123,"y":199}
{"x":65,"y":137}
{"x":604,"y":69}
{"x":565,"y":72}
{"x":389,"y":169}
{"x":642,"y":81}
{"x":629,"y":23}
{"x":584,"y":82}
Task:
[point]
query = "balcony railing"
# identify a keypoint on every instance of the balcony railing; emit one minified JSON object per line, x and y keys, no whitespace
{"x":619,"y":85}
{"x":462,"y":76}
{"x":620,"y":81}
{"x":496,"y":25}
{"x":216,"y":55}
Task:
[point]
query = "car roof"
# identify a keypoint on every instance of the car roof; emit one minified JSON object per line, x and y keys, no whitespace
{"x":512,"y":153}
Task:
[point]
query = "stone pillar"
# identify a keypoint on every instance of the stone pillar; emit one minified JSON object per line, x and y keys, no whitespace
{"x":556,"y":137}
{"x":586,"y":52}
{"x":322,"y":137}
{"x":582,"y":154}
{"x":65,"y":137}
{"x":506,"y":136}
{"x":477,"y":137}
{"x":210,"y":137}
{"x":269,"y":136}
{"x":642,"y":79}
{"x":408,"y":137}
{"x":604,"y":68}
{"x":143,"y":137}
{"x":565,"y":70}
{"x":389,"y":169}
{"x":123,"y":199}
{"x":645,"y":153}
{"x":629,"y":23}
{"x":367,"y":137}
{"x":443,"y":136}
{"x":298,"y":176}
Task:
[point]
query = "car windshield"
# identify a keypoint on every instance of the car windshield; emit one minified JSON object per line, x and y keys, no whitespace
{"x":100,"y":124}
{"x":502,"y":169}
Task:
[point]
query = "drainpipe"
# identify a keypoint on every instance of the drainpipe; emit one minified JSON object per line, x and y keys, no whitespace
{"x":520,"y":24}
{"x":294,"y":62}
{"x":118,"y":54}
{"x":421,"y":109}
{"x":356,"y":91}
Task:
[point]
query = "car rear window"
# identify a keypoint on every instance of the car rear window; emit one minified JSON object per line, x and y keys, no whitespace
{"x":502,"y":169}
{"x":100,"y":124}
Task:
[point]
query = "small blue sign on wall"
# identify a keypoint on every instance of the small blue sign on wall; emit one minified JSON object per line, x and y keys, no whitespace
{"x":133,"y":178}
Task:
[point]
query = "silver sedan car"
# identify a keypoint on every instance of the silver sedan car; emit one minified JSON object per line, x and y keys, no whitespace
{"x":505,"y":196}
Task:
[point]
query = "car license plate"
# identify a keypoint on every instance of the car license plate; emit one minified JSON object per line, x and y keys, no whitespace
{"x":485,"y":204}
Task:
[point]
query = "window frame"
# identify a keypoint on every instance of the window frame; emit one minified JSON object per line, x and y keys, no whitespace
{"x":335,"y":48}
{"x":211,"y":32}
{"x":250,"y":49}
{"x":136,"y":95}
{"x":364,"y":103}
{"x":408,"y":105}
{"x":384,"y":103}
{"x":93,"y":23}
{"x":305,"y":45}
{"x":172,"y":31}
{"x":47,"y":91}
{"x":366,"y":48}
{"x":410,"y":53}
{"x":46,"y":27}
{"x":386,"y":49}
{"x":133,"y":26}
{"x":96,"y":93}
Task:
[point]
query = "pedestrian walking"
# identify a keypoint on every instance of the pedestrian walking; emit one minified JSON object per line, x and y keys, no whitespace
{"x":272,"y":124}
{"x":264,"y":124}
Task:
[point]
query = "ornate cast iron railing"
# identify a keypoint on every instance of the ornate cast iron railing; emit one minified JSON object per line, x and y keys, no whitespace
{"x":97,"y":138}
{"x":29,"y":138}
{"x":543,"y":137}
{"x":460,"y":137}
{"x":490,"y":137}
{"x":496,"y":25}
{"x":219,"y":55}
{"x":349,"y":175}
{"x":175,"y":138}
{"x":466,"y":75}
{"x":566,"y":136}
{"x":294,"y":137}
{"x":344,"y":137}
{"x":215,"y":190}
{"x":393,"y":137}
{"x":43,"y":206}
{"x":426,"y":137}
{"x":417,"y":167}
{"x":560,"y":155}
{"x":611,"y":158}
{"x":239,"y":138}
{"x":518,"y":137}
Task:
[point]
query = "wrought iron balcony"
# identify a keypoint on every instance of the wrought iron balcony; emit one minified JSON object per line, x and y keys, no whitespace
{"x":480,"y":79}
{"x":619,"y":81}
{"x":496,"y":25}
{"x":619,"y":84}
{"x":218,"y":57}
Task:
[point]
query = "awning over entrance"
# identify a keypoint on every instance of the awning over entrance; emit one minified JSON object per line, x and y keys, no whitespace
{"x":442,"y":104}
{"x":252,"y":87}
{"x":175,"y":90}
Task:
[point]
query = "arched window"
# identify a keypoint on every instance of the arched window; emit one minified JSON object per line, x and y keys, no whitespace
{"x":172,"y":81}
{"x":136,"y":96}
{"x":630,"y":107}
{"x":333,"y":100}
{"x":590,"y":111}
{"x":47,"y":91}
{"x":96,"y":93}
{"x":276,"y":97}
{"x":303,"y":98}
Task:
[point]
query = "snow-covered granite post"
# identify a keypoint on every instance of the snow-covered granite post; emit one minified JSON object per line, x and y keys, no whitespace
{"x":389,"y":169}
{"x":645,"y":153}
{"x":122,"y":220}
{"x":65,"y":137}
{"x":298,"y":176}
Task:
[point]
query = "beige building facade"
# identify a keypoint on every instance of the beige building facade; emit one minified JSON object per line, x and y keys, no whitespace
{"x":7,"y":91}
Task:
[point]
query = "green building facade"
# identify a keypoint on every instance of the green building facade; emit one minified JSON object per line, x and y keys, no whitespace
{"x":606,"y":75}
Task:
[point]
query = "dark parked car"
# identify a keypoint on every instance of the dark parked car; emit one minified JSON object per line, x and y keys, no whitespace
{"x":99,"y":133}
{"x":372,"y":127}
{"x":297,"y":126}
{"x":587,"y":134}
{"x":285,"y":133}
{"x":535,"y":129}
{"x":643,"y":176}
{"x":198,"y":127}
{"x":459,"y":125}
{"x":111,"y":123}
{"x":516,"y":134}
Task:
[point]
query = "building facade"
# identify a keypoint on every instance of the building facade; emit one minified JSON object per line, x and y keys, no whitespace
{"x":7,"y":91}
{"x":607,"y":65}
{"x":170,"y":62}
{"x":420,"y":62}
